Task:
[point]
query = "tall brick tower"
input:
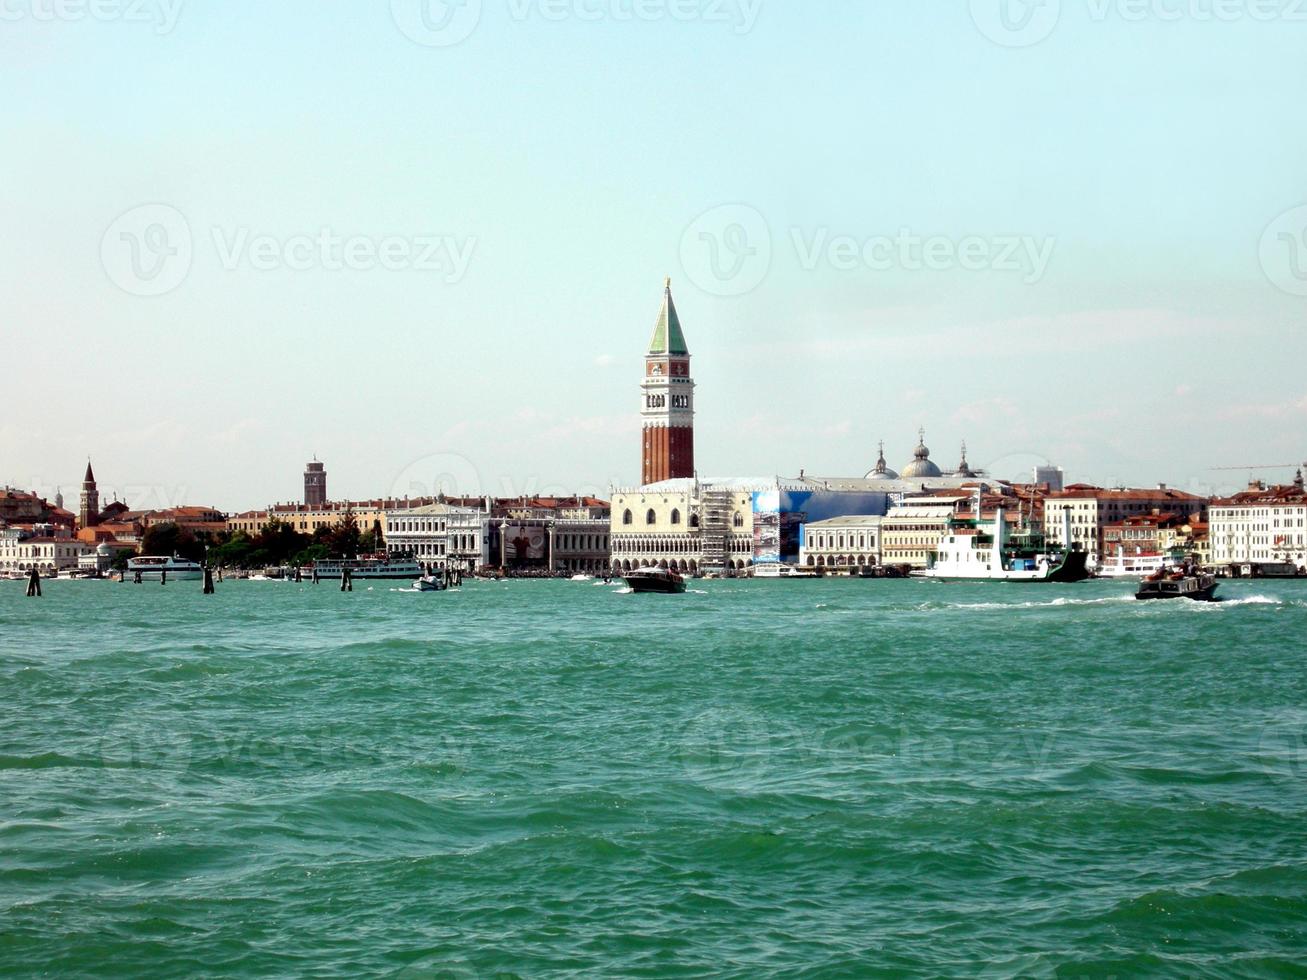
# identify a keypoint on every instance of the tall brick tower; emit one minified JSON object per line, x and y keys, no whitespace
{"x":667,"y":415}
{"x":315,"y":484}
{"x":89,"y":514}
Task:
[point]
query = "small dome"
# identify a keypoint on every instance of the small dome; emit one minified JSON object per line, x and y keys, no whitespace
{"x":964,"y":470}
{"x":882,"y":470}
{"x":921,"y":467}
{"x":103,"y":550}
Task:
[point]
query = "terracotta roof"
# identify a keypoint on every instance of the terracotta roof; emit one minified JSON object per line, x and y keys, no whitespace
{"x":1081,"y":492}
{"x":1271,"y":495}
{"x":1149,"y":520}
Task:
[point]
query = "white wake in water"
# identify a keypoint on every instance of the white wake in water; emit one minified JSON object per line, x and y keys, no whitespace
{"x":1050,"y":604}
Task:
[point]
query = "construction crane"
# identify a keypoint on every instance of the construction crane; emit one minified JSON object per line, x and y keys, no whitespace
{"x":1279,"y":466}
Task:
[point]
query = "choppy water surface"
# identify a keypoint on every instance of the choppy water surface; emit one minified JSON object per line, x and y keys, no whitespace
{"x":758,"y":778}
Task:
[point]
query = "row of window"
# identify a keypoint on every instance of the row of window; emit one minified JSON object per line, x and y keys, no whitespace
{"x":651,"y":518}
{"x":1232,"y":512}
{"x":660,"y":401}
{"x":827,"y":540}
{"x":684,"y":545}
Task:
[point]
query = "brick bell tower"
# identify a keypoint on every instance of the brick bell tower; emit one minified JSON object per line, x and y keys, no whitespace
{"x":667,"y":413}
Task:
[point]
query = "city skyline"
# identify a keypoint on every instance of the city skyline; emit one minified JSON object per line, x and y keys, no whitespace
{"x":998,"y":242}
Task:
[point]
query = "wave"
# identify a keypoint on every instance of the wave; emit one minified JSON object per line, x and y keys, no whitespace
{"x":1060,"y":601}
{"x":46,"y":760}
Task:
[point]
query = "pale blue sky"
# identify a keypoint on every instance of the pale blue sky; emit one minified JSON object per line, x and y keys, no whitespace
{"x":572,"y":157}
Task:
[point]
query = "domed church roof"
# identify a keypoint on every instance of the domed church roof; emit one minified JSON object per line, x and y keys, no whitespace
{"x":921,"y":467}
{"x":882,"y":470}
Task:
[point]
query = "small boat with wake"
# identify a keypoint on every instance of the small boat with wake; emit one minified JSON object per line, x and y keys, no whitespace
{"x":1186,"y":581}
{"x":658,"y":580}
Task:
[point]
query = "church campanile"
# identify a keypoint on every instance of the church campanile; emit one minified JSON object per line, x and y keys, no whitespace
{"x":89,"y":513}
{"x":667,"y":414}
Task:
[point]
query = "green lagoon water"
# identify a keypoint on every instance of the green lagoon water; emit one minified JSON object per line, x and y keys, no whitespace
{"x":555,"y":779}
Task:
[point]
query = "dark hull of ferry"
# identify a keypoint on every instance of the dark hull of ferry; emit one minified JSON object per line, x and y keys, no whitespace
{"x":658,"y":582}
{"x":1074,"y":569}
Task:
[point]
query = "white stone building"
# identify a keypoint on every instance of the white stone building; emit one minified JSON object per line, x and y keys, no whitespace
{"x":849,"y":543}
{"x":1091,"y":508}
{"x":686,"y":525}
{"x":912,"y":530}
{"x":423,"y":533}
{"x":1261,"y":525}
{"x":21,"y":551}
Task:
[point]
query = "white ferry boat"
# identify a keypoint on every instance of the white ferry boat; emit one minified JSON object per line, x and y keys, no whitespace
{"x":153,"y":568}
{"x":369,"y":568}
{"x":782,"y":570}
{"x":971,"y":551}
{"x":1137,"y":566}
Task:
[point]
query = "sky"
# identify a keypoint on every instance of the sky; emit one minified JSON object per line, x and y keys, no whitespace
{"x":425,"y":242}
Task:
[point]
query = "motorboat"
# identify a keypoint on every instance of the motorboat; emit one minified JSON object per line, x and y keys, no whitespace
{"x":1182,"y":582}
{"x":659,"y":580}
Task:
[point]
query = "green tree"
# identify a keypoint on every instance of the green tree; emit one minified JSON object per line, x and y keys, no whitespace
{"x":234,"y":552}
{"x":344,"y":538}
{"x":169,"y":538}
{"x":314,"y":552}
{"x":277,"y":543}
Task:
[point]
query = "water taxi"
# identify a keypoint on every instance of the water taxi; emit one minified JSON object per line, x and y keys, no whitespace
{"x":660,"y":580}
{"x":1182,"y":582}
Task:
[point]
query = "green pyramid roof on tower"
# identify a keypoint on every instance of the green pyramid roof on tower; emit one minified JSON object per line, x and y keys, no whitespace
{"x":667,"y":336}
